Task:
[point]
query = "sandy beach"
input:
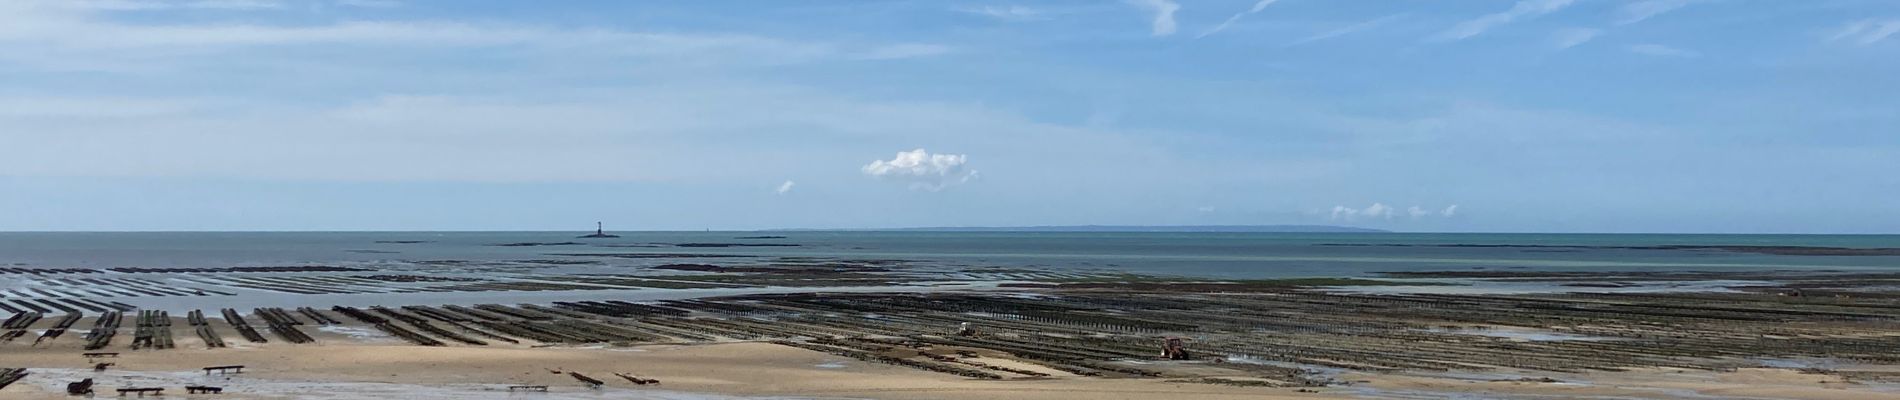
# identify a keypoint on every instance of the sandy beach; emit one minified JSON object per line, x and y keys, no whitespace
{"x":344,"y":368}
{"x":868,"y":328}
{"x":736,"y":369}
{"x":359,"y":362}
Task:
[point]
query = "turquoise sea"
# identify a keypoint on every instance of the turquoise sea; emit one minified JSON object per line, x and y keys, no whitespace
{"x":1221,"y":255}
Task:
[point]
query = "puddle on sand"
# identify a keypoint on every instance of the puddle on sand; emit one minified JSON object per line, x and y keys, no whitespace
{"x":54,"y":380}
{"x":1555,"y":379}
{"x":1529,"y":335}
{"x":1397,"y":394}
{"x":1636,"y":391}
{"x":1800,"y":363}
{"x":603,"y":347}
{"x":1468,"y":286}
{"x":358,"y":333}
{"x":1321,"y":370}
{"x":831,"y":365}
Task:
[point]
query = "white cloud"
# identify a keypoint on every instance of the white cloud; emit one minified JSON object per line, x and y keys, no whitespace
{"x":1163,"y":10}
{"x":1347,"y":30}
{"x":924,"y":171}
{"x":1344,"y":213}
{"x":1638,"y":11}
{"x":1382,"y":211}
{"x":1205,"y":209}
{"x":1867,"y":31}
{"x":1377,"y":210}
{"x":785,"y":187}
{"x":1007,"y":13}
{"x":1661,"y":50}
{"x":1571,"y":37}
{"x":1257,"y":6}
{"x":1523,"y":9}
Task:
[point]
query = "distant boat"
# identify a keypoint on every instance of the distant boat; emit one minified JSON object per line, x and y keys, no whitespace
{"x":600,"y":232}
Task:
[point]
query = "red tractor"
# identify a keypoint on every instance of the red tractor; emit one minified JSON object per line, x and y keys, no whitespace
{"x":1173,"y":350}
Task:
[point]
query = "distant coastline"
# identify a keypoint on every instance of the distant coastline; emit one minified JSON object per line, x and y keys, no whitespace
{"x":1120,"y":228}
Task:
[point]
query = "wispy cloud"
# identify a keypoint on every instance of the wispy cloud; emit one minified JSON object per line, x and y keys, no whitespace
{"x":1348,"y":29}
{"x":1522,"y":10}
{"x":924,"y":171}
{"x":1658,"y":50}
{"x":96,"y":109}
{"x":1163,"y":11}
{"x":785,"y":187}
{"x":906,"y":50}
{"x":1867,"y":31}
{"x":81,"y":35}
{"x":235,"y":4}
{"x":135,"y":5}
{"x":370,"y":3}
{"x":610,"y":134}
{"x":1257,"y":6}
{"x":1638,"y":11}
{"x":1571,"y":37}
{"x":1007,"y":13}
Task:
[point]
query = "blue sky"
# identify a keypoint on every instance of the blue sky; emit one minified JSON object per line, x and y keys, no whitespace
{"x":1510,"y":115}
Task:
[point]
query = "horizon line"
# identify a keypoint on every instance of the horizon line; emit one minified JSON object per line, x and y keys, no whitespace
{"x":963,"y":229}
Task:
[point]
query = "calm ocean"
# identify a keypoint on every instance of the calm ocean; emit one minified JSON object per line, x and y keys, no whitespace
{"x":1224,"y":255}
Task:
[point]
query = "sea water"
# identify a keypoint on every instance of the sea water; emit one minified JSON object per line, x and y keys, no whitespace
{"x":1213,"y":255}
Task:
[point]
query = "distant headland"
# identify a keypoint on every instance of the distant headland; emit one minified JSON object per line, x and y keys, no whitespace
{"x":1129,"y":228}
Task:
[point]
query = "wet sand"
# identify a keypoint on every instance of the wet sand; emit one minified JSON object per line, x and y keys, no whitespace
{"x":350,"y":369}
{"x":736,"y":369}
{"x":799,"y":335}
